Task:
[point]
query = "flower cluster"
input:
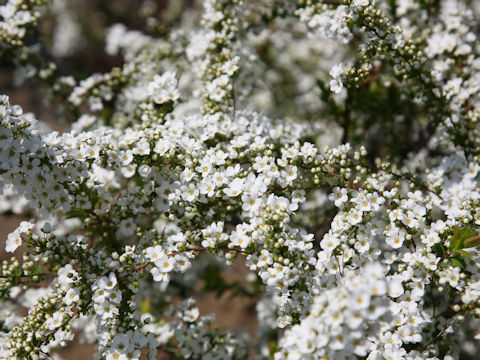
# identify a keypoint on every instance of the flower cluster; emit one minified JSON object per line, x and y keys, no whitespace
{"x":16,"y":17}
{"x":199,"y":340}
{"x":335,"y":326}
{"x":330,"y":146}
{"x":163,"y":88}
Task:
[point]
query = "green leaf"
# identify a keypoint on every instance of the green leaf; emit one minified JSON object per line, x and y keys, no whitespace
{"x":464,"y":253}
{"x":458,"y":261}
{"x":75,"y":213}
{"x":439,"y":250}
{"x":472,"y":241}
{"x":463,"y":237}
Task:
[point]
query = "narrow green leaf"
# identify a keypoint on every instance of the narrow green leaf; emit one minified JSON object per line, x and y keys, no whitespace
{"x":464,"y":253}
{"x":471,"y":242}
{"x":460,"y":236}
{"x":458,"y":261}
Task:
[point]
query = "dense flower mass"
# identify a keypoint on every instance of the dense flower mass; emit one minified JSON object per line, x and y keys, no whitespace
{"x":332,"y":147}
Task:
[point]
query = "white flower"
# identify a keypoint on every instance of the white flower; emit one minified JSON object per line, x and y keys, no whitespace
{"x":207,"y":187}
{"x":144,"y":170}
{"x":127,"y":227}
{"x":354,"y":216}
{"x":163,"y":88}
{"x":290,"y":173}
{"x":155,"y":253}
{"x":66,"y":275}
{"x":107,"y":283}
{"x":166,"y":264}
{"x":230,"y":67}
{"x":329,"y":242}
{"x":395,"y":288}
{"x":159,"y":275}
{"x":182,"y":264}
{"x":142,"y":148}
{"x":105,"y":310}
{"x":336,"y":85}
{"x":397,"y":41}
{"x":187,"y":175}
{"x":190,"y":192}
{"x":339,"y":196}
{"x":361,"y":2}
{"x":14,"y":239}
{"x":395,"y":238}
{"x":336,"y":70}
{"x":204,"y":168}
{"x":219,"y":178}
{"x":431,"y":239}
{"x":99,"y":295}
{"x":375,"y":201}
{"x":114,"y":296}
{"x":162,"y":146}
{"x":126,"y":157}
{"x":239,"y":238}
{"x":234,"y":188}
{"x":55,"y":321}
{"x":128,"y":171}
{"x":72,"y":296}
{"x":191,"y":315}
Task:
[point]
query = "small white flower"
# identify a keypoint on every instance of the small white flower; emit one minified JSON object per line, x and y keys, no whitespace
{"x":142,"y":148}
{"x":14,"y":239}
{"x":127,"y":227}
{"x":430,"y":239}
{"x":336,"y":70}
{"x":239,"y":238}
{"x":166,"y":264}
{"x":163,"y":88}
{"x":339,"y":196}
{"x":354,"y":217}
{"x":395,"y":238}
{"x":235,"y":188}
{"x":336,"y":85}
{"x":126,"y":158}
{"x":128,"y":171}
{"x":361,"y":3}
{"x":72,"y":296}
{"x":144,"y":170}
{"x":55,"y":321}
{"x":107,"y":283}
{"x":191,"y":315}
{"x":155,"y":254}
{"x":105,"y":310}
{"x":230,"y":67}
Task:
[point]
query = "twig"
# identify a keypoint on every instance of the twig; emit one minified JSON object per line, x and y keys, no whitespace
{"x":45,"y":354}
{"x":442,"y":331}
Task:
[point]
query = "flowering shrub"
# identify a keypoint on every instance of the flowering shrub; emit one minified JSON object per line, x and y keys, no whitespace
{"x":332,"y":146}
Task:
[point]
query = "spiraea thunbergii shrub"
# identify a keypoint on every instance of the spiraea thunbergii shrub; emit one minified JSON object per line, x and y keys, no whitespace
{"x":332,"y":147}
